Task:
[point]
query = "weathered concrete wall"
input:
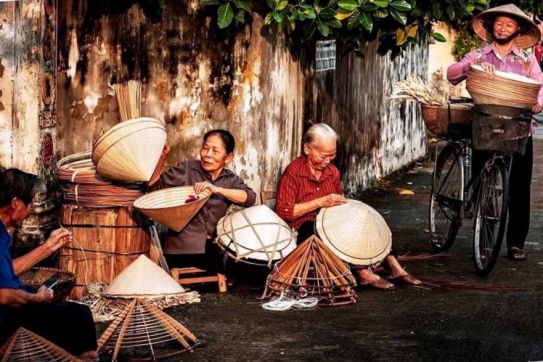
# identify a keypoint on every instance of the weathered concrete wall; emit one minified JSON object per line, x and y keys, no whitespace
{"x":378,"y":136}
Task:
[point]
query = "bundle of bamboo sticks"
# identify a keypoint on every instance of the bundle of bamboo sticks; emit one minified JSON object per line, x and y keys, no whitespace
{"x":312,"y":269}
{"x":415,"y":88}
{"x":129,"y":99}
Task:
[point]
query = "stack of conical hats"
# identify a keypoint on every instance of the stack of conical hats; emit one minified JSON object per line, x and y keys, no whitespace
{"x":313,"y":270}
{"x":25,"y":345}
{"x":140,"y":329}
{"x":173,"y":206}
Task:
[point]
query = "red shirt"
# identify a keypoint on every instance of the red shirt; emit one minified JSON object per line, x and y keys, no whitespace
{"x":298,"y":185}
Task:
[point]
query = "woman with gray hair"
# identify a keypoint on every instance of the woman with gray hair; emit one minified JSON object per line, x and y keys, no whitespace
{"x":312,"y":182}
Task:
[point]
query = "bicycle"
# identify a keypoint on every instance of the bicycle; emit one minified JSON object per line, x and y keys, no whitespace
{"x":458,"y":194}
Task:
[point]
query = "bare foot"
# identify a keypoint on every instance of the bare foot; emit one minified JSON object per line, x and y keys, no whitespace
{"x":373,"y":280}
{"x":406,"y":278}
{"x":90,"y":356}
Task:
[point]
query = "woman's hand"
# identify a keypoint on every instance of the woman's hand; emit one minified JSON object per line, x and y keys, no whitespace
{"x":57,"y":239}
{"x":332,"y":200}
{"x":487,"y":67}
{"x":43,"y":295}
{"x":206,"y":185}
{"x":537,"y":108}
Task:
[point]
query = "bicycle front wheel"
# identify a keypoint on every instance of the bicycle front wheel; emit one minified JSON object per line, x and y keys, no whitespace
{"x":490,"y":216}
{"x":446,"y":199}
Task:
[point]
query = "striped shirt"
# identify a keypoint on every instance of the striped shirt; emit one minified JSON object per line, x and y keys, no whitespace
{"x":298,"y":185}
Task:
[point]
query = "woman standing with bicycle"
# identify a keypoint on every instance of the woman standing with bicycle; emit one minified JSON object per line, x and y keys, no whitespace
{"x":509,"y":31}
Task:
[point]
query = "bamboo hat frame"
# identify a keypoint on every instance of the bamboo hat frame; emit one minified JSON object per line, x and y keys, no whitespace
{"x":255,"y":235}
{"x":130,"y":150}
{"x":355,"y":232}
{"x":143,"y":279}
{"x":25,"y":345}
{"x":170,"y":207}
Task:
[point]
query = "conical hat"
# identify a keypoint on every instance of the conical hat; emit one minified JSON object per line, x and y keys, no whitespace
{"x":130,"y":150}
{"x":25,"y":345}
{"x":143,"y":278}
{"x":255,"y":233}
{"x":355,"y":232}
{"x":529,"y":37}
{"x":169,"y":206}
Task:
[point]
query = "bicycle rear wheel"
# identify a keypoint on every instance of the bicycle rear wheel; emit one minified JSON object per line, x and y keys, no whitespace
{"x":490,"y":216}
{"x":446,"y":199}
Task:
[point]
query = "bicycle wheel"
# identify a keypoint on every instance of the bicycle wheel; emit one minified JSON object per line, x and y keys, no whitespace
{"x":490,"y":216}
{"x":446,"y":198}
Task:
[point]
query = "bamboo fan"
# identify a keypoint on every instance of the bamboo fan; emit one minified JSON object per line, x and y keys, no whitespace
{"x":313,"y":270}
{"x":255,"y":235}
{"x":142,"y":328}
{"x":355,"y":232}
{"x":129,"y":99}
{"x":25,"y":345}
{"x":172,"y":206}
{"x":130,"y":150}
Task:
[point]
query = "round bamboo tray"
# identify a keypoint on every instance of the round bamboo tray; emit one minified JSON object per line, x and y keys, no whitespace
{"x":501,"y":88}
{"x":169,"y":206}
{"x":37,"y":275}
{"x":130,"y":150}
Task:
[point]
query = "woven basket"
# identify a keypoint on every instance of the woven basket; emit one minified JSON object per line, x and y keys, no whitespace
{"x":499,"y":89}
{"x":498,"y":133}
{"x":37,"y":275}
{"x":130,"y":150}
{"x":439,"y":119}
{"x":169,"y":206}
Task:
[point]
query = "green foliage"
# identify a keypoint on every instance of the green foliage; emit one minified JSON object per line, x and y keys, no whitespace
{"x":353,"y":22}
{"x":464,"y":43}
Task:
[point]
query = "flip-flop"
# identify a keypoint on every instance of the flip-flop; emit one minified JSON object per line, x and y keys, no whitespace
{"x":515,"y":253}
{"x":407,"y":279}
{"x":381,"y":284}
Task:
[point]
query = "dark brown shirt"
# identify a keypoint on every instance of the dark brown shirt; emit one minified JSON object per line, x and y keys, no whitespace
{"x":192,"y":239}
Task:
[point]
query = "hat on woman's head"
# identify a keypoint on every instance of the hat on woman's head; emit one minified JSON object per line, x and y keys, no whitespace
{"x":529,"y":35}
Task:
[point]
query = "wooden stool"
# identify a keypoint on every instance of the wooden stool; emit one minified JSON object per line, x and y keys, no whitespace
{"x":187,"y":276}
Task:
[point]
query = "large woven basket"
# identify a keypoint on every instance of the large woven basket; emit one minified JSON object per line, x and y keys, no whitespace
{"x":130,"y":150}
{"x":440,"y":119}
{"x":170,"y":207}
{"x":501,"y":88}
{"x":37,"y":275}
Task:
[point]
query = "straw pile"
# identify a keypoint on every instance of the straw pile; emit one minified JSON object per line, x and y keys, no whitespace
{"x":128,"y":99}
{"x":81,"y":184}
{"x":416,"y":89}
{"x":313,"y":270}
{"x":140,"y":329}
{"x":25,"y":345}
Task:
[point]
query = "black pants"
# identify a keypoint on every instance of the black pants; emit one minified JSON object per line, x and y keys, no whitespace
{"x":68,"y":325}
{"x":520,"y":181}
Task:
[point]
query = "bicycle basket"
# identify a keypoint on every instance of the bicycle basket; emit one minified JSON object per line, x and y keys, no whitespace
{"x":441,"y":120}
{"x":498,"y":133}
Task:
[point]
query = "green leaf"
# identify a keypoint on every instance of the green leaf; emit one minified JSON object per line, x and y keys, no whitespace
{"x":334,"y":23}
{"x":240,"y":16}
{"x":370,"y":6}
{"x":381,"y":3}
{"x":380,"y":13}
{"x":401,"y":5}
{"x":366,"y":21}
{"x":327,"y":13}
{"x":450,"y":12}
{"x":481,"y":2}
{"x":348,"y":5}
{"x":210,"y":2}
{"x":225,"y":14}
{"x":281,"y":5}
{"x":323,"y":29}
{"x":438,"y":37}
{"x":268,"y":19}
{"x":470,"y":8}
{"x":240,"y":4}
{"x":353,"y":21}
{"x":278,"y":16}
{"x":310,"y":13}
{"x":398,"y":16}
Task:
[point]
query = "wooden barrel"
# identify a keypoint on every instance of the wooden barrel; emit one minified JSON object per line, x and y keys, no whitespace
{"x":105,"y":242}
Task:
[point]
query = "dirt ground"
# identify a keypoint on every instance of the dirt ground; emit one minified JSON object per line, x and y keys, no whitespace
{"x":407,"y":324}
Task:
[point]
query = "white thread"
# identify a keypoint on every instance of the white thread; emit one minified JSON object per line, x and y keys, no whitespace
{"x":286,"y":302}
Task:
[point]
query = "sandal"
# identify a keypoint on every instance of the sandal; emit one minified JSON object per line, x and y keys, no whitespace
{"x":515,"y":253}
{"x":381,"y":284}
{"x":407,"y":279}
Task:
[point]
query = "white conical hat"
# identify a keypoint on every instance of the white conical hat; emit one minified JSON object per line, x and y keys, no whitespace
{"x":355,"y":232}
{"x":255,"y":233}
{"x":143,"y":278}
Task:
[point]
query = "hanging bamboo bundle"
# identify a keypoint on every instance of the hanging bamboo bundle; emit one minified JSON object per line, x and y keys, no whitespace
{"x":27,"y":346}
{"x":140,"y":329}
{"x":313,"y":270}
{"x":129,"y":99}
{"x":81,"y":184}
{"x":106,"y":241}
